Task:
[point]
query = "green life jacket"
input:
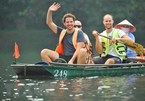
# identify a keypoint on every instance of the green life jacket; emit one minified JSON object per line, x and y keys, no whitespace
{"x":118,"y":47}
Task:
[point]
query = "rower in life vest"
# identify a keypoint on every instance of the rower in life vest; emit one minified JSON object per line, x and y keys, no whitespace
{"x":118,"y":47}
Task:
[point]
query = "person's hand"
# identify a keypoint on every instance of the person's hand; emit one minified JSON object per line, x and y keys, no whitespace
{"x":70,"y":62}
{"x":54,"y":7}
{"x":95,"y":33}
{"x":114,"y":40}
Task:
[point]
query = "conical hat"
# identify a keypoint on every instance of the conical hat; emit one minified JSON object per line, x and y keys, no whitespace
{"x":125,"y":22}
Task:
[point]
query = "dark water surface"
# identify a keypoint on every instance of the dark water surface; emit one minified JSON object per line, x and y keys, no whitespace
{"x":122,"y":88}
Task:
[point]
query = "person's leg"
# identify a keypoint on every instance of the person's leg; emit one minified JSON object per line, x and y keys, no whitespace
{"x":113,"y":60}
{"x":82,"y":56}
{"x":110,"y":61}
{"x":117,"y":60}
{"x":48,"y":55}
{"x":99,"y":60}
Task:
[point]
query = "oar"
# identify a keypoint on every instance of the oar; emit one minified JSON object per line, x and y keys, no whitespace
{"x":138,"y":48}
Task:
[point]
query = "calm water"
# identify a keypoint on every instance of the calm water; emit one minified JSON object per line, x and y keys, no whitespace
{"x":124,"y":88}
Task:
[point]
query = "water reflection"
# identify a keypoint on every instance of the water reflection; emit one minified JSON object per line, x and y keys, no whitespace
{"x":124,"y":88}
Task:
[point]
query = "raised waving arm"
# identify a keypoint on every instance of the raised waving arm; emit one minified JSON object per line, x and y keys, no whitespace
{"x":49,"y":21}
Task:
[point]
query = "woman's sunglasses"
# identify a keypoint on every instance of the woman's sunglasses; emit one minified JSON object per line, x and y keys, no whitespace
{"x":79,"y":26}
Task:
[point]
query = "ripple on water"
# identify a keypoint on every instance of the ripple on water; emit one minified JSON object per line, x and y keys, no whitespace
{"x":103,"y":87}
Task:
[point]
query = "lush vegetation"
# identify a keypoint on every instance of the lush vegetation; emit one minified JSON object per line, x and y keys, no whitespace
{"x":27,"y":13}
{"x":24,"y":14}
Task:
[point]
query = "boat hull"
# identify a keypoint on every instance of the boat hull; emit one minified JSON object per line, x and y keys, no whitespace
{"x":30,"y":71}
{"x":93,"y":71}
{"x":58,"y":70}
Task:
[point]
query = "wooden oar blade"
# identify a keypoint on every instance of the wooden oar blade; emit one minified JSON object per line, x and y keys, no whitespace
{"x":138,"y":48}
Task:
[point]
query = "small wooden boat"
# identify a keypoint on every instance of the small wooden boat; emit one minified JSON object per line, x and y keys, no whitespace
{"x":63,"y":70}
